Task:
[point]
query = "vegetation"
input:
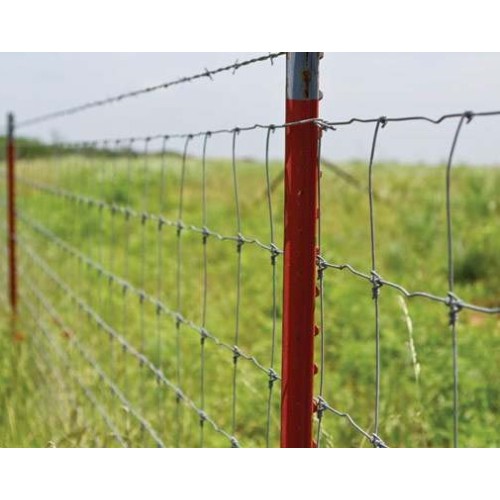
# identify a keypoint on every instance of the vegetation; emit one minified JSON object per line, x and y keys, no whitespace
{"x":43,"y":405}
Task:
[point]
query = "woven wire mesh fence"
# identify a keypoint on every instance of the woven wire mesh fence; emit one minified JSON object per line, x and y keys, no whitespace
{"x":151,"y":285}
{"x":421,"y":269}
{"x":138,"y":259}
{"x":140,"y":265}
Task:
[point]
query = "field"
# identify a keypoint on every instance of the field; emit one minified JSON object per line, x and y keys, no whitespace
{"x":98,"y":281}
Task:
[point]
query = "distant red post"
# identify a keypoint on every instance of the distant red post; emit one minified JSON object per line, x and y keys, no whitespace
{"x":11,"y":212}
{"x":301,"y":212}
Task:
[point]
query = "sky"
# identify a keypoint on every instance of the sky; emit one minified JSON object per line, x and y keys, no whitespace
{"x":365,"y":85}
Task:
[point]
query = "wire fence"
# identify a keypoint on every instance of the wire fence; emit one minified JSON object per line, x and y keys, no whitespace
{"x":151,"y":285}
{"x":453,"y":303}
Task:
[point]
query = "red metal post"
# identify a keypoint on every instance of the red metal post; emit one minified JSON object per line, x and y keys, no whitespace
{"x":11,"y":212}
{"x":301,"y":211}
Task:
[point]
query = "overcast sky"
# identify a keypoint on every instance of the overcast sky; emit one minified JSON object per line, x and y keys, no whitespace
{"x":353,"y":84}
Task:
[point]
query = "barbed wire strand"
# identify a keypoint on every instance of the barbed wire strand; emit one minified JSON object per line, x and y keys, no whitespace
{"x":146,"y":90}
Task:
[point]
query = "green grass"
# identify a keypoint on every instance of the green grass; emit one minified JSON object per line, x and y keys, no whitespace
{"x":44,"y":406}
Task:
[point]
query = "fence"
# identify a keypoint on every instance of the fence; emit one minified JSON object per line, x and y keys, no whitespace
{"x":153,"y":284}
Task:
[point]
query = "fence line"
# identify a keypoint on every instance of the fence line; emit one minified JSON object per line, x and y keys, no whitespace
{"x":123,"y":239}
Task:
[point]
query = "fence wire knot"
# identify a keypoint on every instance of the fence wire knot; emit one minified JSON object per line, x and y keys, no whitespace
{"x":204,"y":334}
{"x":321,"y":264}
{"x":240,"y":241}
{"x":455,"y":306}
{"x":273,"y":376}
{"x":468,"y":115}
{"x":321,"y":406}
{"x":205,"y":233}
{"x":275,"y":252}
{"x":236,"y":353}
{"x":377,"y":442}
{"x":179,"y":319}
{"x":179,"y":395}
{"x":377,"y":284}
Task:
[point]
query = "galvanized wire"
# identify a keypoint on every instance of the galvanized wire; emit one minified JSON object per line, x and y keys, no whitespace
{"x":375,"y":282}
{"x":66,"y":362}
{"x":146,"y":90}
{"x":92,"y":316}
{"x":239,"y":247}
{"x":139,"y":293}
{"x":179,"y":315}
{"x":160,"y":272}
{"x":128,"y":212}
{"x":453,"y":303}
{"x":454,"y":309}
{"x":98,"y":308}
{"x":273,"y":376}
{"x":204,"y":222}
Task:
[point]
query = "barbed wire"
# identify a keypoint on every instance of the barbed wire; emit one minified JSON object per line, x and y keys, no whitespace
{"x":146,"y":90}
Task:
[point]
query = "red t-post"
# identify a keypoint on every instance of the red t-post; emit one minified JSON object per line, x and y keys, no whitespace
{"x":301,"y":212}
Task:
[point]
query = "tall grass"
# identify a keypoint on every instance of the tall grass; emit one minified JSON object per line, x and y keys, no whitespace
{"x":44,"y":406}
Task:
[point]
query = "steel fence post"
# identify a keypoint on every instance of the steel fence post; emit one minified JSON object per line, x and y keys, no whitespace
{"x":301,"y":213}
